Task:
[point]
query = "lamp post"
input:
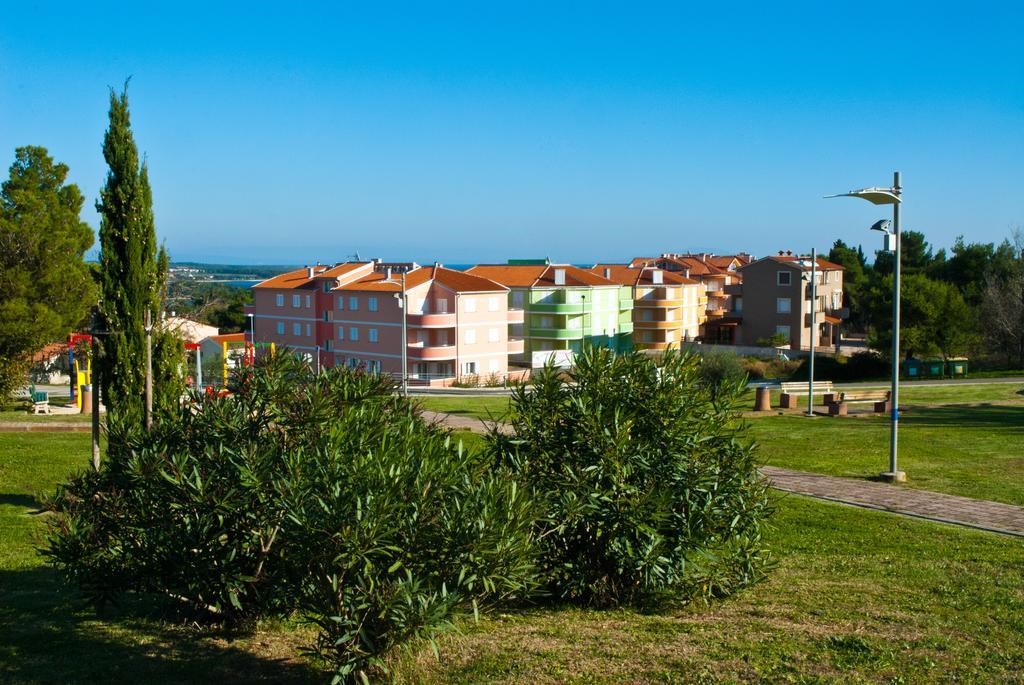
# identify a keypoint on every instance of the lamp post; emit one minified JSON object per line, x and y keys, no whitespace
{"x":814,"y":325}
{"x":890,"y":196}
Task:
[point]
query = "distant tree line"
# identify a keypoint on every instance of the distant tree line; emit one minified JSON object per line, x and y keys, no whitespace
{"x":216,"y":304}
{"x":969,"y":301}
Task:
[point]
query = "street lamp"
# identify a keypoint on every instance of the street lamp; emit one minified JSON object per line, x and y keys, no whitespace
{"x":814,"y":325}
{"x":890,"y":196}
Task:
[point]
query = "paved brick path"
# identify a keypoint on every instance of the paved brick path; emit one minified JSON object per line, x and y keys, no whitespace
{"x":45,"y":426}
{"x":935,"y":506}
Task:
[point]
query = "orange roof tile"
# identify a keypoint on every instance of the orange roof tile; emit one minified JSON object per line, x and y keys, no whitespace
{"x":228,"y":338}
{"x":291,"y":279}
{"x":537,"y":275}
{"x":459,"y":281}
{"x":623,"y":274}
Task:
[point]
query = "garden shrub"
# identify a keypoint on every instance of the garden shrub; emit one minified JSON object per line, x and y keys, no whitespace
{"x":719,"y":370}
{"x":326,"y":495}
{"x":649,"y":487}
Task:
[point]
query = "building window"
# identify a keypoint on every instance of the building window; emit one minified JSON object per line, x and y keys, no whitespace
{"x":371,"y":304}
{"x":469,"y":368}
{"x":296,"y":300}
{"x":373,"y":366}
{"x":470,"y":305}
{"x":353,"y":303}
{"x":353,"y":362}
{"x":279,"y":300}
{"x":737,"y":305}
{"x":493,"y":335}
{"x":784,"y":277}
{"x":493,"y":366}
{"x":373,"y":335}
{"x":327,"y":345}
{"x":296,"y":329}
{"x":341,"y":332}
{"x":280,"y":326}
{"x":353,"y":334}
{"x":442,"y":306}
{"x":341,"y":303}
{"x":309,"y":330}
{"x":782,"y":330}
{"x":492,"y":304}
{"x":327,"y":286}
{"x":783,"y":305}
{"x":517,"y":299}
{"x":471,"y":337}
{"x":308,"y":301}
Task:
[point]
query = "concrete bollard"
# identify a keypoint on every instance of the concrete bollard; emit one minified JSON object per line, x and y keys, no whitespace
{"x":87,"y":398}
{"x":763,"y":399}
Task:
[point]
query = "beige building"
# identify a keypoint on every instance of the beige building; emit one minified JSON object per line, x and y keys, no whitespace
{"x":775,"y":298}
{"x":667,"y":307}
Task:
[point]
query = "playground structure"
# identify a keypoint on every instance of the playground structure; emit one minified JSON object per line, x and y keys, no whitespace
{"x":234,"y":353}
{"x":79,"y":376}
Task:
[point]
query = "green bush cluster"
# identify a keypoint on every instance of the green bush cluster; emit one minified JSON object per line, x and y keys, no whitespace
{"x":327,"y":496}
{"x":861,"y":366}
{"x":647,"y":488}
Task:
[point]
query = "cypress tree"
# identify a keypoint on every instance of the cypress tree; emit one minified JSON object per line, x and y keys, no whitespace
{"x":133,"y":273}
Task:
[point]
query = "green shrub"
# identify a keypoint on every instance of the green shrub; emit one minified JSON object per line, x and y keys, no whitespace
{"x":719,"y":371}
{"x":323,"y":494}
{"x":650,"y":490}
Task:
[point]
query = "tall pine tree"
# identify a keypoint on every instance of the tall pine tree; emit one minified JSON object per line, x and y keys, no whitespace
{"x":133,"y":272}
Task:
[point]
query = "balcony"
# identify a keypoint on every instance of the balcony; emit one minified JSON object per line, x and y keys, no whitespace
{"x":432,"y":320}
{"x":516,"y":316}
{"x":516,"y":345}
{"x":734,"y":289}
{"x":419,"y":351}
{"x":656,"y":324}
{"x":556,"y":308}
{"x":660,"y":303}
{"x":557,"y":333}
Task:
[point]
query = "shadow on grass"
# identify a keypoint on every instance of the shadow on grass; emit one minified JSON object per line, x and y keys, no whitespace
{"x":48,"y":635}
{"x":21,"y":500}
{"x":1008,"y":418}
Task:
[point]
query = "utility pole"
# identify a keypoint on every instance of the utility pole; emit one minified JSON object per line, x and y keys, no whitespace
{"x":814,"y":325}
{"x":894,"y":474}
{"x":149,"y":370}
{"x":405,"y":338}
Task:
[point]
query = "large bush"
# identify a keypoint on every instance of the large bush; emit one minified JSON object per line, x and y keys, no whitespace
{"x":323,"y":494}
{"x":648,"y":486}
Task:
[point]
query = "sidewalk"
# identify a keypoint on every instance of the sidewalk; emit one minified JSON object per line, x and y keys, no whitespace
{"x":933,"y":506}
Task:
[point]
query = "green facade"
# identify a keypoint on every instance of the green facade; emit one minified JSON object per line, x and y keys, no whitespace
{"x":570,"y":317}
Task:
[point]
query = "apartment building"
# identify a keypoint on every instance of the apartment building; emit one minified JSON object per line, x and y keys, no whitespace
{"x":775,"y":298}
{"x":720,"y":276}
{"x":562,"y":307}
{"x":456,"y":324}
{"x":667,"y":307}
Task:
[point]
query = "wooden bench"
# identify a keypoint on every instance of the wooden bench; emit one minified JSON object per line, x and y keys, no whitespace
{"x":790,"y":391}
{"x":837,"y":404}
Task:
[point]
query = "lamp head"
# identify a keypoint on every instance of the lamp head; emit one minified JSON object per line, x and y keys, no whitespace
{"x":882,"y":225}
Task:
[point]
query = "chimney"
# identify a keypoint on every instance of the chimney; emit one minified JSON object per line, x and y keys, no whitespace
{"x":559,"y":276}
{"x":607,"y":273}
{"x":789,"y":253}
{"x":686,"y":272}
{"x":656,"y":277}
{"x":310,"y":271}
{"x":387,"y":274}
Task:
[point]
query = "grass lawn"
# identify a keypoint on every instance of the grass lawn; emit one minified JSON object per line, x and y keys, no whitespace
{"x":975,"y":451}
{"x":858,"y":596}
{"x":482,"y":407}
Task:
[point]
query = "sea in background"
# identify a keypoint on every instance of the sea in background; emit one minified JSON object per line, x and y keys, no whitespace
{"x":240,"y":284}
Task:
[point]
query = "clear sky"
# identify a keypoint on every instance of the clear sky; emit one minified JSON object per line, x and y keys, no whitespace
{"x":291,"y":132}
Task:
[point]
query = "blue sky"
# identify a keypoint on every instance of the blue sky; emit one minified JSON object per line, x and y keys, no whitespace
{"x":291,"y":132}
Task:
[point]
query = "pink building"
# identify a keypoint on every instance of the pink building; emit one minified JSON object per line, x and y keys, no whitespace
{"x":351,"y":313}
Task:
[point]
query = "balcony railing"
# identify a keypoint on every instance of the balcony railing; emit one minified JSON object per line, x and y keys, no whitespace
{"x":432,"y":320}
{"x":516,"y":316}
{"x":431,"y":352}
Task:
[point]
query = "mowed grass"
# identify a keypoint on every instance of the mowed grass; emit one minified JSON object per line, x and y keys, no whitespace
{"x":971,"y":450}
{"x":49,"y":635}
{"x":857,"y":596}
{"x":481,"y":407}
{"x":965,"y":440}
